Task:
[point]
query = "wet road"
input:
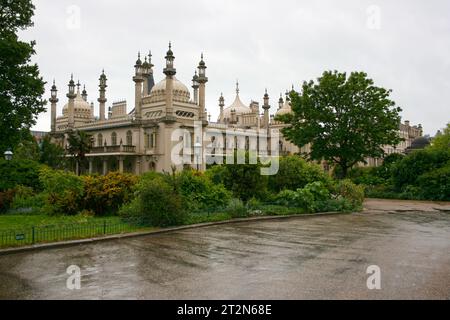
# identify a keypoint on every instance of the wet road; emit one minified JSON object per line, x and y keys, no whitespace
{"x":299,"y":258}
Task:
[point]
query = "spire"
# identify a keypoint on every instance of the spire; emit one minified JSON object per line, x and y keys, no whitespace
{"x":150,"y":58}
{"x":78,"y":86}
{"x":237,"y":87}
{"x":84,"y":93}
{"x":139,"y":61}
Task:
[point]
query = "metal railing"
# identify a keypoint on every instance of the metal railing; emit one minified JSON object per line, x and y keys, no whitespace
{"x":54,"y":233}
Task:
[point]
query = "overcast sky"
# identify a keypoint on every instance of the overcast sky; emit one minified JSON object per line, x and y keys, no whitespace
{"x":402,"y":45}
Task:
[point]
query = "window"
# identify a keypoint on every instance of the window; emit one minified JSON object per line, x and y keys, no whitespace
{"x":146,"y":140}
{"x":100,"y":140}
{"x":114,"y":139}
{"x":129,"y":138}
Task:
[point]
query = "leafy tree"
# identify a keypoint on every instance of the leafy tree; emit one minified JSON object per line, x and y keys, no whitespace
{"x":27,"y":149}
{"x":21,"y":86}
{"x":51,"y":154}
{"x":80,"y":144}
{"x":346,"y":119}
{"x":442,"y":141}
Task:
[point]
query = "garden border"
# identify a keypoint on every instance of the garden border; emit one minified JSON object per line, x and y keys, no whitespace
{"x":70,"y":243}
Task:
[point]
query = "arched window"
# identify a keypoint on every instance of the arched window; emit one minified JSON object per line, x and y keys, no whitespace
{"x":100,"y":140}
{"x":114,"y":139}
{"x":129,"y":138}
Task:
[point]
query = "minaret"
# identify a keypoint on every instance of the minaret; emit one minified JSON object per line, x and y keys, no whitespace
{"x":221,"y":105}
{"x":147,"y":75}
{"x":84,"y":93}
{"x":71,"y":109}
{"x":266,"y":108}
{"x":195,"y":86}
{"x":280,"y":102}
{"x":53,"y":100}
{"x":138,"y":80}
{"x":170,"y":72}
{"x":102,"y":99}
{"x":202,"y":80}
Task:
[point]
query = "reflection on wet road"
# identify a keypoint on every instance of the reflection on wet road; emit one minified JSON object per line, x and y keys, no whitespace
{"x":297,"y":258}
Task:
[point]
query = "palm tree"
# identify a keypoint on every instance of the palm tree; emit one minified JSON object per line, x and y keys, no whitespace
{"x":80,"y":144}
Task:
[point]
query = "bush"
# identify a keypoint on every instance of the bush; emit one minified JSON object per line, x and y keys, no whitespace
{"x":295,"y":173}
{"x":237,"y":209}
{"x":159,"y":204}
{"x":26,"y":201}
{"x":366,"y":175}
{"x":19,"y":172}
{"x":199,"y":192}
{"x":63,"y":191}
{"x":6,"y":199}
{"x":105,"y":194}
{"x":349,"y":191}
{"x":310,"y":198}
{"x":409,"y":169}
{"x":435,"y":185}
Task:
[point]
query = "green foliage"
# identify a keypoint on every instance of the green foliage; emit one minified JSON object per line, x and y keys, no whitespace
{"x":19,"y":172}
{"x":160,"y":205}
{"x":105,"y":194}
{"x":21,"y":86}
{"x":200,"y":193}
{"x":435,"y":184}
{"x":80,"y":144}
{"x":309,"y":198}
{"x":353,"y":193}
{"x":27,"y":149}
{"x":295,"y":173}
{"x":51,"y":154}
{"x":6,"y":199}
{"x":366,"y":176}
{"x":339,"y":115}
{"x":64,"y":191}
{"x":442,"y":141}
{"x":237,"y":209}
{"x":409,"y":169}
{"x":27,"y":201}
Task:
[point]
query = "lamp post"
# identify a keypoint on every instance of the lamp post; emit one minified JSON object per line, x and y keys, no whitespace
{"x":198,"y":151}
{"x":8,"y":155}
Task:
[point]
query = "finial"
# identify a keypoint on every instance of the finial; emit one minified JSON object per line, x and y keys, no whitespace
{"x":237,"y":87}
{"x":170,"y":44}
{"x":78,"y":86}
{"x":150,"y":56}
{"x":54,"y":82}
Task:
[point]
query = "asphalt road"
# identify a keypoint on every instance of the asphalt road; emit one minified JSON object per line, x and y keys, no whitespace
{"x":300,"y":258}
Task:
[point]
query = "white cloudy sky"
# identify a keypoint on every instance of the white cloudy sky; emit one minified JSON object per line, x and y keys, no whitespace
{"x":263,"y":43}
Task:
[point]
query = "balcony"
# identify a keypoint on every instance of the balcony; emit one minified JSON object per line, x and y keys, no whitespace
{"x":114,"y":149}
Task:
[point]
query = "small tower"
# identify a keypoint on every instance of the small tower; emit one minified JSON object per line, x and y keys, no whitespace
{"x":147,"y":74}
{"x":202,"y":80}
{"x":84,"y":94}
{"x":221,"y":105}
{"x":53,"y":100}
{"x":195,"y":86}
{"x":102,"y":99}
{"x":170,"y":72}
{"x":138,"y":80}
{"x":266,"y":108}
{"x":71,"y":109}
{"x":280,"y":102}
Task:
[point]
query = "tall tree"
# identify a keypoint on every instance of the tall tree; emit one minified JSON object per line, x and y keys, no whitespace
{"x":21,"y":87}
{"x":80,"y":144}
{"x":442,"y":140}
{"x":345,"y":119}
{"x":51,"y":154}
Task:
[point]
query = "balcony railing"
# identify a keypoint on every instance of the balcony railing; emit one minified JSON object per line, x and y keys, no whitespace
{"x":114,"y":149}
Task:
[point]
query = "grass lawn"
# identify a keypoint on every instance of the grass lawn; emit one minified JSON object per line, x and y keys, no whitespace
{"x":20,"y":230}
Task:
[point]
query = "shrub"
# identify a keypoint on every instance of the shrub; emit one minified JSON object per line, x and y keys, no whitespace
{"x":159,"y":204}
{"x":63,"y":191}
{"x":310,"y":198}
{"x":6,"y":199}
{"x":237,"y":209}
{"x":435,"y":185}
{"x":199,"y":192}
{"x":105,"y":194}
{"x":19,"y":172}
{"x":295,"y":173}
{"x":351,"y":192}
{"x":366,"y":175}
{"x":409,"y":169}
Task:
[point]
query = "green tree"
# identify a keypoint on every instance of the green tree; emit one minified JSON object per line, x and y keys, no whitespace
{"x":80,"y":144}
{"x":442,"y":141}
{"x":52,"y":154}
{"x":21,"y":87}
{"x":346,"y":119}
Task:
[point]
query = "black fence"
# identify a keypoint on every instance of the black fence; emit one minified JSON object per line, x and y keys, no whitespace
{"x":53,"y":233}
